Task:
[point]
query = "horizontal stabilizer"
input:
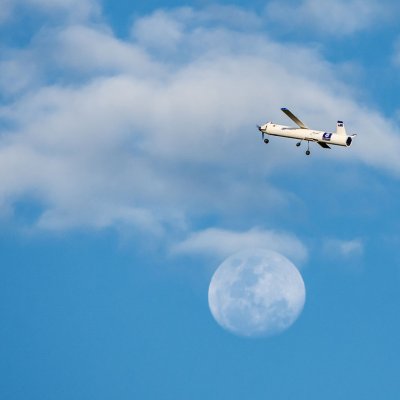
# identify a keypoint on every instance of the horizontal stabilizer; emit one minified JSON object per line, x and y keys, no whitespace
{"x":294,"y":118}
{"x":324,"y":145}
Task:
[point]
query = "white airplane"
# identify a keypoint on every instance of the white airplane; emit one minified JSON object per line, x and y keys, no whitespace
{"x":324,"y":139}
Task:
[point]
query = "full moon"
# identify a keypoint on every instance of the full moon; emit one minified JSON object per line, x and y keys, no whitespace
{"x":256,"y":293}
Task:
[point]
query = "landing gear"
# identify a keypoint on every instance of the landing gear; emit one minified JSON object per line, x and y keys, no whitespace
{"x":308,"y":149}
{"x":263,"y":134}
{"x":308,"y":152}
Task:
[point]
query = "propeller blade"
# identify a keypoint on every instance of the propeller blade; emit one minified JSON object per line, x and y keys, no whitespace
{"x":262,"y":132}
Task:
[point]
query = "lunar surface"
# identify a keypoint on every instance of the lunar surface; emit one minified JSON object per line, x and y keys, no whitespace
{"x":256,"y":293}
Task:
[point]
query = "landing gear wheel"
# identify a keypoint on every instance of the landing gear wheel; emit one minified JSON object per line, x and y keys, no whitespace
{"x":266,"y":141}
{"x":308,"y":152}
{"x":298,"y":144}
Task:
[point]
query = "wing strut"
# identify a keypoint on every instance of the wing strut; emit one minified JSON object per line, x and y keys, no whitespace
{"x":294,"y":118}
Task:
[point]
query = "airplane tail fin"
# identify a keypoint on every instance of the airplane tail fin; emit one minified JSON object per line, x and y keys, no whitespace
{"x":340,"y":129}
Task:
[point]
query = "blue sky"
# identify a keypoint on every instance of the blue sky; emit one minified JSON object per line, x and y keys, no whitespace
{"x":131,"y":166}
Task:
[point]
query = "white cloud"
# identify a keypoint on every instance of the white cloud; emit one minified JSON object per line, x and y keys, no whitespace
{"x":66,"y":10}
{"x":79,"y":9}
{"x":72,"y":9}
{"x":344,"y":248}
{"x":6,"y":9}
{"x":165,"y":30}
{"x":222,"y":243}
{"x":161,"y":30}
{"x":124,"y":135}
{"x":17,"y":74}
{"x":332,"y":17}
{"x":97,"y":51}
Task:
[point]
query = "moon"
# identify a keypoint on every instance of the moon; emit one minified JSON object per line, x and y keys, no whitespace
{"x":256,"y":293}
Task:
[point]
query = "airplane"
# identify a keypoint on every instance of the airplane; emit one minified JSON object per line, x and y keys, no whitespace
{"x":324,"y":139}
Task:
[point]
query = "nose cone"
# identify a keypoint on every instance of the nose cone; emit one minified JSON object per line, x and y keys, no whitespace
{"x":262,"y":128}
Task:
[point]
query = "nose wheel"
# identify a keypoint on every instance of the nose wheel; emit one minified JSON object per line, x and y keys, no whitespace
{"x":263,"y":134}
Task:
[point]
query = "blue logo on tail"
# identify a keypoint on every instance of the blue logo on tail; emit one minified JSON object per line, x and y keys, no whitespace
{"x":327,"y":136}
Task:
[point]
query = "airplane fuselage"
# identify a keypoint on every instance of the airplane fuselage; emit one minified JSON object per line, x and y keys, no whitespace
{"x":306,"y":134}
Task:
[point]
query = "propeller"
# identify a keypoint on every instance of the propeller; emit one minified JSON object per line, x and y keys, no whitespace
{"x":262,"y":132}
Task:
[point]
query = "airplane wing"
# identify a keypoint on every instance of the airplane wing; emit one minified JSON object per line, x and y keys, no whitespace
{"x":294,"y":118}
{"x":324,"y":145}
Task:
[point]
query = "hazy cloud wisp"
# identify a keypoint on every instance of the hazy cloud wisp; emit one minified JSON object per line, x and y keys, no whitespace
{"x":222,"y":242}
